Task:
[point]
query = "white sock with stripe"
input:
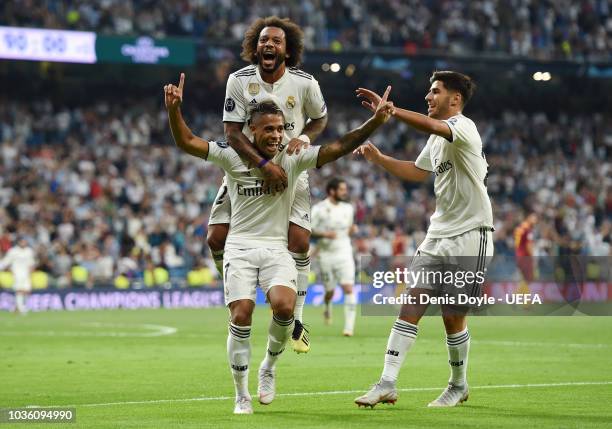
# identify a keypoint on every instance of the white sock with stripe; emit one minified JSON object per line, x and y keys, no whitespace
{"x":458,"y":349}
{"x":402,"y":337}
{"x":302,"y":263}
{"x":239,"y":355}
{"x":278,"y":334}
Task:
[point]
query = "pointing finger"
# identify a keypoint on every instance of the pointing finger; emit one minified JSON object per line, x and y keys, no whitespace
{"x":386,"y":94}
{"x":181,"y":82}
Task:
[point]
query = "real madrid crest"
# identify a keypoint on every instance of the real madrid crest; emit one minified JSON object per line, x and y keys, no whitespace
{"x":290,"y":102}
{"x":253,"y":88}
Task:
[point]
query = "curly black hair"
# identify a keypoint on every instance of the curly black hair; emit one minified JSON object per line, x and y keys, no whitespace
{"x":293,"y":35}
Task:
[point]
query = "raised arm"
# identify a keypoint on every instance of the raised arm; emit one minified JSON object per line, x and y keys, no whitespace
{"x":309,"y":134}
{"x":406,"y":170}
{"x":273,"y":174}
{"x":416,"y":120}
{"x":351,"y":140}
{"x":183,"y":137}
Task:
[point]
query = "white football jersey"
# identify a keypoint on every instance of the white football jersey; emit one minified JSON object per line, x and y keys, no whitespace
{"x":296,"y":93}
{"x":259,"y":218}
{"x":327,"y":216}
{"x":20,"y":260}
{"x":460,"y":166}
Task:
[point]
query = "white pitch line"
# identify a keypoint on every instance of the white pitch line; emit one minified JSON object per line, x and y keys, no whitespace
{"x":154,"y":331}
{"x":329,"y":392}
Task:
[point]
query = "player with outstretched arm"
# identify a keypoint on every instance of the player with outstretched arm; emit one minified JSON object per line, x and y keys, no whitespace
{"x":274,"y":48}
{"x":461,"y":226}
{"x":256,"y":247}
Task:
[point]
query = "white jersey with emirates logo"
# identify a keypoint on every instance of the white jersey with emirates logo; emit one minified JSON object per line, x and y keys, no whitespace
{"x":259,"y":219}
{"x":327,"y":216}
{"x":296,"y":93}
{"x":460,"y":166}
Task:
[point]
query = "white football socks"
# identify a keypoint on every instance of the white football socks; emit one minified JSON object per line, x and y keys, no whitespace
{"x":302,"y":263}
{"x":278,"y":334}
{"x":402,"y":337}
{"x":239,"y":355}
{"x":20,"y":303}
{"x":350,"y":311}
{"x":458,"y":349}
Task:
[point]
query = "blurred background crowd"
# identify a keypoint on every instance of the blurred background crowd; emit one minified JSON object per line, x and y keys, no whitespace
{"x":102,"y":187}
{"x":543,"y":29}
{"x":90,"y":176}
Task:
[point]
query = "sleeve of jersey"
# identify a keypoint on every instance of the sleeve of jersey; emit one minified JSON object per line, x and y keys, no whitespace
{"x":235,"y":107}
{"x":314,"y":105}
{"x":307,"y":159}
{"x":461,"y":128}
{"x":219,"y":153}
{"x":423,"y":161}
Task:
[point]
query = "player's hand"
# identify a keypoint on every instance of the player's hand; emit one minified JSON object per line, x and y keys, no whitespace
{"x":330,"y":234}
{"x":384,"y":109}
{"x":274,"y":176}
{"x":173,"y":95}
{"x":295,"y":145}
{"x":370,"y":152}
{"x":372,"y":99}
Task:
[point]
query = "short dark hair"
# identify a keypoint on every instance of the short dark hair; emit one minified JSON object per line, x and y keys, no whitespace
{"x":267,"y":107}
{"x":455,"y":81}
{"x":334,"y":184}
{"x":294,"y":37}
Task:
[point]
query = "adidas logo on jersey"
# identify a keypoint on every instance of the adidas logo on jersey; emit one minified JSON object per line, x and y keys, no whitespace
{"x":306,"y":217}
{"x":253,"y":101}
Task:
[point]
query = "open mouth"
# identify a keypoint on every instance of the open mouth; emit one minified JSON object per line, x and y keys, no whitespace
{"x":269,"y":58}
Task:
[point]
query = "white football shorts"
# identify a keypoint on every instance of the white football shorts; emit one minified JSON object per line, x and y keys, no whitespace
{"x":244,"y":269}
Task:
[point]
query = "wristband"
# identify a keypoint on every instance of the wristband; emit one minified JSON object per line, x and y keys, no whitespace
{"x":304,"y":138}
{"x":262,"y":163}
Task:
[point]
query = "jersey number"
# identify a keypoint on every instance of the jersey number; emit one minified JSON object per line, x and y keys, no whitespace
{"x":289,"y":126}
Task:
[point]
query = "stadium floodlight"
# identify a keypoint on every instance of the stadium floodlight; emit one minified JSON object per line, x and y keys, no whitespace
{"x":537,"y":76}
{"x":335,"y":67}
{"x":325,"y":67}
{"x":546,"y":76}
{"x":350,"y":70}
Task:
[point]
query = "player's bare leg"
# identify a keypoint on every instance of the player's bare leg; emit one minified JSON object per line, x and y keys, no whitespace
{"x":327,"y":313}
{"x":217,"y":234}
{"x":350,"y":310}
{"x":458,"y":343}
{"x":402,"y":337}
{"x":299,"y":244}
{"x":282,"y":302}
{"x":239,"y":352}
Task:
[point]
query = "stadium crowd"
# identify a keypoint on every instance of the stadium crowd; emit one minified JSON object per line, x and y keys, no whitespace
{"x":543,"y":29}
{"x":101,"y":187}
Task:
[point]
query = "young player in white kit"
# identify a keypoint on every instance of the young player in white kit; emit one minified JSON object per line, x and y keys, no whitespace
{"x":332,"y":226}
{"x":256,"y":247}
{"x":274,"y":48}
{"x":22,"y":261}
{"x":460,"y":227}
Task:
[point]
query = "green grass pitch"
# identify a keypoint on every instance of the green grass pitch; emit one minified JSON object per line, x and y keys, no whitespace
{"x":123,"y":369}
